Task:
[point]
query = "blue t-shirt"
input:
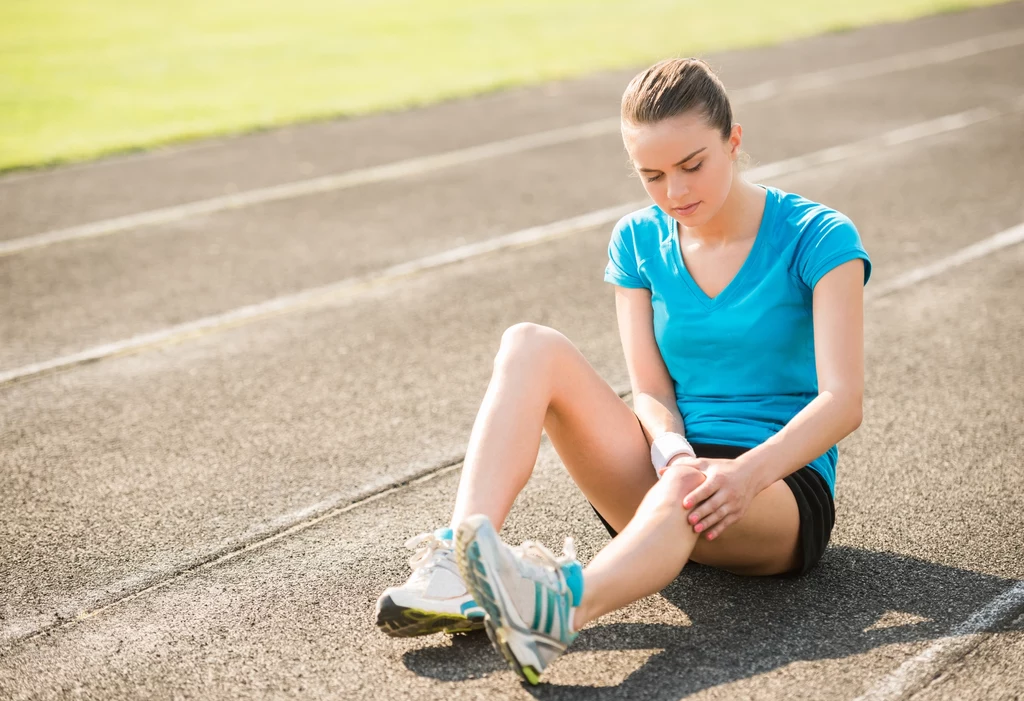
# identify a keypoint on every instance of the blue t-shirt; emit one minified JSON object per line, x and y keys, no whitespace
{"x":743,"y":362}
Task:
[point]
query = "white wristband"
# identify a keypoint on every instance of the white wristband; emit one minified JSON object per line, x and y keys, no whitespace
{"x":667,"y":446}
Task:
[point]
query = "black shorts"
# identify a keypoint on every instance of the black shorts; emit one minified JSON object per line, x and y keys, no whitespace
{"x":813,"y":499}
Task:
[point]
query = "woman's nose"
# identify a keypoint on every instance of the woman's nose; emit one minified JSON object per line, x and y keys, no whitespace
{"x":677,"y":187}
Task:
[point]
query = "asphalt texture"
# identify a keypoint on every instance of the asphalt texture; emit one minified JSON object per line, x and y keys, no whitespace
{"x":142,"y":493}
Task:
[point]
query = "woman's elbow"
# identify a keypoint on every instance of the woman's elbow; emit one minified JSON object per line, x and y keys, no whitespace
{"x":848,"y":408}
{"x":854,"y":411}
{"x":856,"y":416}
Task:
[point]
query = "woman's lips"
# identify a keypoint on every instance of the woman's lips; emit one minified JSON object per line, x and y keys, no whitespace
{"x":687,"y":210}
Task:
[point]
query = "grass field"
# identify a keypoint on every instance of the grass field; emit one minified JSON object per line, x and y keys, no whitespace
{"x":79,"y":79}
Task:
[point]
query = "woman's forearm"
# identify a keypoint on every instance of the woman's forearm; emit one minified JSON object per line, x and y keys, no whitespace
{"x":829,"y":418}
{"x":657,"y":415}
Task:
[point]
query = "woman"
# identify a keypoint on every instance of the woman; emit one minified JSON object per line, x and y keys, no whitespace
{"x":740,"y":310}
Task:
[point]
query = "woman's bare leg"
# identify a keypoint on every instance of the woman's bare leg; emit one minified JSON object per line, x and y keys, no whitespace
{"x":541,"y":381}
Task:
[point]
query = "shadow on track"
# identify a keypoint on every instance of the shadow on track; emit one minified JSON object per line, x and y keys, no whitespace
{"x":854,"y":601}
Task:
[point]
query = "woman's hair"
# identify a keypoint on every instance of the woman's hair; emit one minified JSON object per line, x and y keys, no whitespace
{"x":674,"y":87}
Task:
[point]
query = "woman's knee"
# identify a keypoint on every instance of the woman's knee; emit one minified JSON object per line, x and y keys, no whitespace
{"x":674,"y":485}
{"x":531,"y":343}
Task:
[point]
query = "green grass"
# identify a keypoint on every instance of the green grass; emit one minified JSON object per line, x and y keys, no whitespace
{"x":83,"y":78}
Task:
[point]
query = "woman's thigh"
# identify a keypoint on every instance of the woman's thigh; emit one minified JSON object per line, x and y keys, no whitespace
{"x":601,"y":443}
{"x":597,"y":436}
{"x":765,"y":541}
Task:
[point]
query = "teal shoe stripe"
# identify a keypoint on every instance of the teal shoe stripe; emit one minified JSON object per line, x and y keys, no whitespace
{"x":562,"y":620}
{"x":469,"y":606}
{"x":536,"y":606}
{"x":552,"y":604}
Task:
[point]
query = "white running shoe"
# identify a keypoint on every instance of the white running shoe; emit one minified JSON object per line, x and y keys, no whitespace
{"x":435,"y":598}
{"x":530,"y":595}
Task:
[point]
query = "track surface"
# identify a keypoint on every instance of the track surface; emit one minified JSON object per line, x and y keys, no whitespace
{"x":198,"y":519}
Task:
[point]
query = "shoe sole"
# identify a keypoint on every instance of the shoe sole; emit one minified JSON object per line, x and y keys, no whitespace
{"x":513,"y":641}
{"x":405,"y":622}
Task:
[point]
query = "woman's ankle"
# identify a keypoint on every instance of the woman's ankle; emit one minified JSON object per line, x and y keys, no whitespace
{"x":579,"y":620}
{"x":582,"y":614}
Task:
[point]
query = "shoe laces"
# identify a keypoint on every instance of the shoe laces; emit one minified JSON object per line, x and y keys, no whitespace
{"x":429,"y":550}
{"x":543,"y":562}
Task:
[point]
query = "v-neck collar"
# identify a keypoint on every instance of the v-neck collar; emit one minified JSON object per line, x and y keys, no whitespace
{"x":748,"y":262}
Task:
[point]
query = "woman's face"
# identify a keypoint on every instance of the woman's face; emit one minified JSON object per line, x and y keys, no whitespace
{"x":685,"y":165}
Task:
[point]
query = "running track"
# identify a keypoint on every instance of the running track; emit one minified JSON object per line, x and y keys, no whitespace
{"x":235,"y":376}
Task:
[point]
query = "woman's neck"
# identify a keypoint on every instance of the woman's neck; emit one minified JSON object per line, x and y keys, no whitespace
{"x":738,"y":218}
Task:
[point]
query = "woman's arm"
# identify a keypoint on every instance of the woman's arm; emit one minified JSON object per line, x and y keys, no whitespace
{"x":654,"y":395}
{"x":838,"y":309}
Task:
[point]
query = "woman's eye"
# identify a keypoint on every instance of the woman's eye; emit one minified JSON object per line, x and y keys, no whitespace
{"x":695,"y":168}
{"x":653,"y":178}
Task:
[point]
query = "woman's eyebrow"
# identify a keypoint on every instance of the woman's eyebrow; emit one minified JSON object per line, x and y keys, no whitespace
{"x":678,"y":163}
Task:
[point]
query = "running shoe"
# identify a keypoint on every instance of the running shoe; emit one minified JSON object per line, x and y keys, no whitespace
{"x":435,"y":598}
{"x":529,"y":594}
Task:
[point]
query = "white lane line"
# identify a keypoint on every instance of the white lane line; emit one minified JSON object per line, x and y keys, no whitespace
{"x":419,"y":166}
{"x":327,"y":294}
{"x":303,"y":188}
{"x":1004,"y":239}
{"x":258,"y":536}
{"x":917,"y":672}
{"x":891,"y":64}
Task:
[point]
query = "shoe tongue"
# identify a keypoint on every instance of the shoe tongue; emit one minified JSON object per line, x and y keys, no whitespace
{"x":573,"y":572}
{"x":444,"y":534}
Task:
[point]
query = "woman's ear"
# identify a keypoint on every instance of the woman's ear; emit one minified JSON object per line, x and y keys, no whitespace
{"x":735,"y":141}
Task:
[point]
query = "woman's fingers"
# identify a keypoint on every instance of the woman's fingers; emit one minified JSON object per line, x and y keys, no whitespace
{"x":722,"y":525}
{"x":716,"y":504}
{"x":705,"y":509}
{"x":714,"y":518}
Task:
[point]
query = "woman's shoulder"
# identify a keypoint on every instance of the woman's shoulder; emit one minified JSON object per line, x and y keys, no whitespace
{"x":798,"y":218}
{"x":813,"y":237}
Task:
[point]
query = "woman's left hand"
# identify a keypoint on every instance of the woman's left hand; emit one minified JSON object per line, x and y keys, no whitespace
{"x":722,"y":499}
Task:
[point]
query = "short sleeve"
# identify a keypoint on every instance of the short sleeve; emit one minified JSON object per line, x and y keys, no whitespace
{"x":623,"y":269}
{"x":828,"y":243}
